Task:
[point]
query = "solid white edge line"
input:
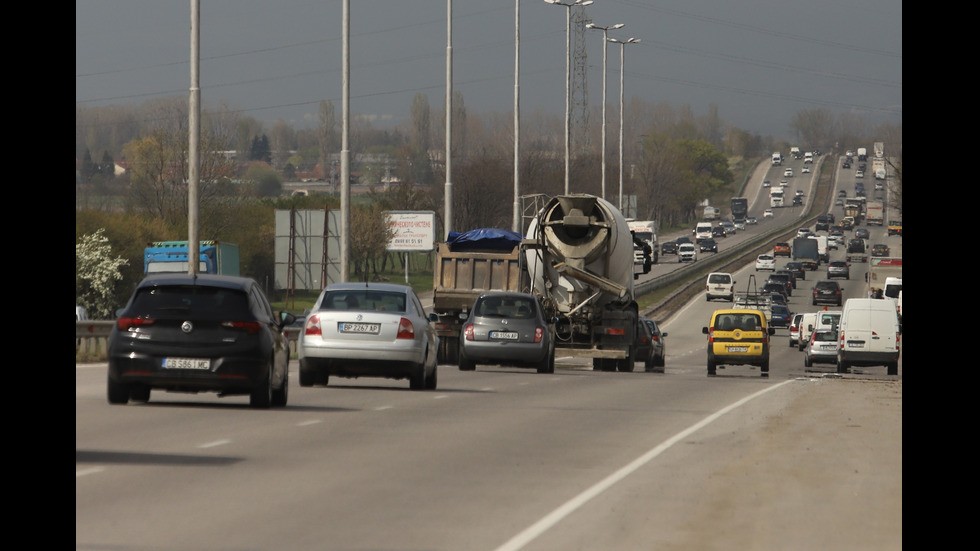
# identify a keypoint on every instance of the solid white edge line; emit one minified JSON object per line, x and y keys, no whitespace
{"x":541,"y":526}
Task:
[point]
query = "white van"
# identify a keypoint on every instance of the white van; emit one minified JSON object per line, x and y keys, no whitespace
{"x":807,"y":324}
{"x":869,"y":335}
{"x":702,"y":231}
{"x":827,"y":320}
{"x":720,"y":285}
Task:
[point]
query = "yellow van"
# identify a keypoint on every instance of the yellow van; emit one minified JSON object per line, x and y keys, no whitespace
{"x":738,"y":337}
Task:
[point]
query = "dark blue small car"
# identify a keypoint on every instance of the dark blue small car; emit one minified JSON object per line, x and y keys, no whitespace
{"x":781,"y":316}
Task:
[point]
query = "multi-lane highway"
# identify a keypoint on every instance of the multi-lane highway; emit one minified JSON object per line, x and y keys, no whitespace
{"x":509,"y":459}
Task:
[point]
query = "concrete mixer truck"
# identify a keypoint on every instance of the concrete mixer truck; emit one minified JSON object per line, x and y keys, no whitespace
{"x":579,"y":254}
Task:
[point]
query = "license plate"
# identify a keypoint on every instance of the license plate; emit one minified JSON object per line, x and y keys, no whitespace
{"x":738,"y":349}
{"x":827,"y":347}
{"x":855,"y":344}
{"x":369,"y":328}
{"x":187,"y":363}
{"x":504,"y":335}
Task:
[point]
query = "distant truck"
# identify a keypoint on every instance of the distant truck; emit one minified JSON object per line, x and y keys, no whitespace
{"x":823,"y":253}
{"x":875,"y":213}
{"x":795,"y":152}
{"x":805,"y":248}
{"x":862,"y":154}
{"x":857,"y":250}
{"x":467,"y":264}
{"x":879,"y":150}
{"x":645,"y":231}
{"x":215,"y":257}
{"x":777,"y":158}
{"x":878,"y":167}
{"x":885,"y":275}
{"x":711,"y":213}
{"x":808,"y":157}
{"x":740,"y":208}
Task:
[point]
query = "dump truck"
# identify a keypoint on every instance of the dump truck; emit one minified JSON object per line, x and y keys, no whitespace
{"x":467,"y":264}
{"x":579,"y":257}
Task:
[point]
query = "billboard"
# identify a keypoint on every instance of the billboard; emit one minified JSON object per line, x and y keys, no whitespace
{"x":414,"y":230}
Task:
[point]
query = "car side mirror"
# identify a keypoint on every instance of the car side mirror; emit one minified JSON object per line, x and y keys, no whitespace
{"x":664,"y":335}
{"x":704,"y":330}
{"x":772,"y":330}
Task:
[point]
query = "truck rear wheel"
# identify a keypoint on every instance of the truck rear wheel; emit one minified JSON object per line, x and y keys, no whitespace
{"x":448,"y":350}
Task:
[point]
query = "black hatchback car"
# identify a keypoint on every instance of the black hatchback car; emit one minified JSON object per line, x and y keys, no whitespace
{"x":651,"y":346}
{"x":797,"y":269}
{"x":199,"y":333}
{"x":709,"y":245}
{"x":826,"y":291}
{"x":669,"y":247}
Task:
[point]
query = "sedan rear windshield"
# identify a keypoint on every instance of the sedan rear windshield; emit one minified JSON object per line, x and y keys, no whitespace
{"x":360,"y":299}
{"x":506,"y":307}
{"x":196,"y":301}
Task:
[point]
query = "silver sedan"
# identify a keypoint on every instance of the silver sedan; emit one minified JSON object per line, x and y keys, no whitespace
{"x":368,"y":330}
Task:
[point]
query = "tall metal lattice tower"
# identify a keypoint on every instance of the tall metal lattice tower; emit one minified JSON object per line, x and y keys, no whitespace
{"x":579,"y":123}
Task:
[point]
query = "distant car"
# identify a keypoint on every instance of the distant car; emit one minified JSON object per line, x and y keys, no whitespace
{"x":794,"y":330}
{"x":781,"y":316}
{"x":729,"y":226}
{"x":821,"y":348}
{"x":862,"y":233}
{"x":669,"y":247}
{"x":738,"y":337}
{"x":791,"y":274}
{"x":803,"y":232}
{"x":507,"y":328}
{"x":766,"y":184}
{"x":751,"y":220}
{"x":687,"y":253}
{"x":859,"y":173}
{"x":709,"y":245}
{"x":838,"y":269}
{"x":822,"y":224}
{"x":826,"y":291}
{"x":797,"y":201}
{"x":842,"y":193}
{"x":199,"y":333}
{"x":772,"y":289}
{"x":765,"y":262}
{"x":810,"y":265}
{"x":846,"y":164}
{"x":839,"y":202}
{"x":835,"y":239}
{"x":719,"y":231}
{"x":788,"y":173}
{"x":799,"y":193}
{"x":805,"y":169}
{"x":368,"y":330}
{"x":784,"y":182}
{"x":781,"y":248}
{"x":767,"y":213}
{"x":780,"y":276}
{"x":850,"y":153}
{"x":879,"y":186}
{"x":651,"y":346}
{"x":880,"y":249}
{"x":796,"y":268}
{"x":739,"y":223}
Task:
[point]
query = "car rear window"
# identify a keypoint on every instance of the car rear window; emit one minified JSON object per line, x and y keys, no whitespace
{"x":719,"y":278}
{"x":364,"y":300}
{"x":505,"y":307}
{"x":742,"y":321}
{"x":195,"y":301}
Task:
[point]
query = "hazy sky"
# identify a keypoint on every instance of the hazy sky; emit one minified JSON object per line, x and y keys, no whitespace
{"x":759,"y":61}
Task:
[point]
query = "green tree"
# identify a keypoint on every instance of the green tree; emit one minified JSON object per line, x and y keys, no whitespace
{"x":96,"y":274}
{"x":266,"y":180}
{"x":369,"y":238}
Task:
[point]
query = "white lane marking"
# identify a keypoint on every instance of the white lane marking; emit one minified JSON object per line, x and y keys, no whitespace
{"x":307,"y":423}
{"x":440,"y":397}
{"x":382,"y":408}
{"x":92,"y":470}
{"x":214,"y":444}
{"x":552,"y":518}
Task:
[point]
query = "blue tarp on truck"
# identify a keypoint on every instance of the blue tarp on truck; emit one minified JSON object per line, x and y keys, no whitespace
{"x":484,"y":239}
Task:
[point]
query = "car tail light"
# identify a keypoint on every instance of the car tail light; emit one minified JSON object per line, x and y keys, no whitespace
{"x":125,"y":324}
{"x":405,"y":329}
{"x":468,"y":331}
{"x":711,"y":334}
{"x":250,"y":327}
{"x":313,"y":326}
{"x":538,"y":334}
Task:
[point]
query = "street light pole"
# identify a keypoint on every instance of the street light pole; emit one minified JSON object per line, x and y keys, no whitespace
{"x":517,"y":117}
{"x":605,"y":39}
{"x":622,"y":65}
{"x":568,"y":80}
